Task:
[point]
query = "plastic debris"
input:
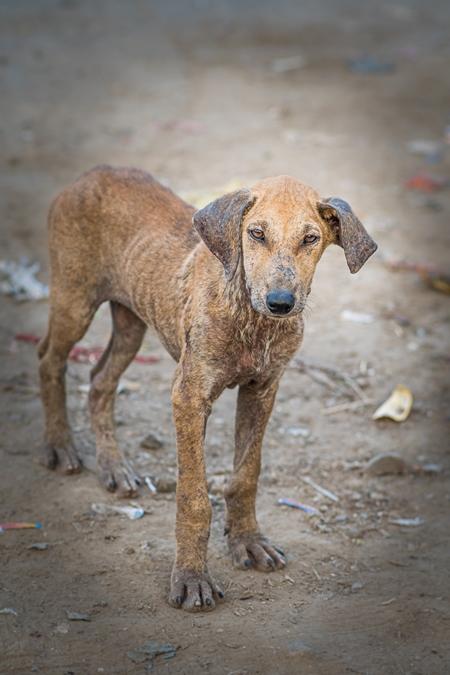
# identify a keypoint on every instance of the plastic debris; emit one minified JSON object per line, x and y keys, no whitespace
{"x":431,"y":150}
{"x":287,"y":64}
{"x":367,"y":65}
{"x":388,"y":463}
{"x":86,"y":354}
{"x":397,"y":407}
{"x":424,"y":181}
{"x":132,"y":512}
{"x":42,"y":546}
{"x":20,"y":280}
{"x":8,"y":610}
{"x":152,"y":441}
{"x":357,"y":317}
{"x":407,"y":522}
{"x":149,"y":651}
{"x":298,"y":505}
{"x":19,"y":526}
{"x":323,"y":491}
{"x":150,"y":485}
{"x":421,"y":147}
{"x":427,"y":469}
{"x":76,"y":616}
{"x":298,"y":431}
{"x":123,"y":387}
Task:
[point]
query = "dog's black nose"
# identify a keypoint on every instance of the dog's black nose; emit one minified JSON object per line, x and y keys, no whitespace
{"x":280,"y":302}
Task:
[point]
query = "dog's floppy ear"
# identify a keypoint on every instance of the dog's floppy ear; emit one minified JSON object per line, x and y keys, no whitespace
{"x":219,"y":225}
{"x":348,"y":231}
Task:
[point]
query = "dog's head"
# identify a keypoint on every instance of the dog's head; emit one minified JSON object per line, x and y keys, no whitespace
{"x":279,"y":229}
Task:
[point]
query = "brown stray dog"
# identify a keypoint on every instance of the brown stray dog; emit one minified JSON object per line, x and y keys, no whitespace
{"x":224,"y":288}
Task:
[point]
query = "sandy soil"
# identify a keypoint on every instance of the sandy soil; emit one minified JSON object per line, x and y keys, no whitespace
{"x":190,"y":92}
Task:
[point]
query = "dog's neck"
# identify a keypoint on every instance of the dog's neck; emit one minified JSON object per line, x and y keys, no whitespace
{"x":249,"y":325}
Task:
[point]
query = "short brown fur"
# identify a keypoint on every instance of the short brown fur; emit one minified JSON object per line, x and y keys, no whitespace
{"x":227,"y":305}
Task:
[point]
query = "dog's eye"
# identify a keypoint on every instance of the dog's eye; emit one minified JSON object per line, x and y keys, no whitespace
{"x":257,"y":234}
{"x":310,"y":239}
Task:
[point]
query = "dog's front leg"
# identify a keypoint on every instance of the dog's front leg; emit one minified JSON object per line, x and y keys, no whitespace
{"x":192,"y":587}
{"x":248,"y":546}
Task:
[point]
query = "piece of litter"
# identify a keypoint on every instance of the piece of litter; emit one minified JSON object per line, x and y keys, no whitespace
{"x":430,"y":469}
{"x":407,"y":522}
{"x":132,"y":512}
{"x":76,"y":616}
{"x":19,"y":526}
{"x":8,"y":610}
{"x":357,"y":317}
{"x":297,"y":505}
{"x":20,"y":280}
{"x":123,"y":387}
{"x":150,"y":651}
{"x":323,"y":491}
{"x":425,"y":148}
{"x":151,"y":487}
{"x":127,"y":385}
{"x":426,"y":182}
{"x":298,"y":431}
{"x":367,"y":65}
{"x":388,"y":602}
{"x":287,"y":64}
{"x":85,"y":354}
{"x":397,"y":407}
{"x":41,"y":546}
{"x":388,"y":463}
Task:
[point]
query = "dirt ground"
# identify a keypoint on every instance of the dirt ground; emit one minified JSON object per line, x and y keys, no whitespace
{"x":200,"y":94}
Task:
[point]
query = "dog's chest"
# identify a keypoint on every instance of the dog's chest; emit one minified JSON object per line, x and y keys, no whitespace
{"x":252,"y":361}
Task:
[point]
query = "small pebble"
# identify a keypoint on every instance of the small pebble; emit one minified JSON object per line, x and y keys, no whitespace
{"x":165,"y":484}
{"x":152,"y":441}
{"x":387,"y":463}
{"x":357,"y":586}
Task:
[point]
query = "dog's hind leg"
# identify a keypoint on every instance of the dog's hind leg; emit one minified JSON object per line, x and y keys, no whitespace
{"x":67,"y":325}
{"x":128,"y":333}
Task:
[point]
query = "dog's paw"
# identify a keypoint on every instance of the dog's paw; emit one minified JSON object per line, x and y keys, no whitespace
{"x":62,"y":456}
{"x":253,"y":549}
{"x":117,"y":476}
{"x":194,"y":591}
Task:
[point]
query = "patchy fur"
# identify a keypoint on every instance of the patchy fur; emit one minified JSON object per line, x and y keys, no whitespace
{"x":224,"y":288}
